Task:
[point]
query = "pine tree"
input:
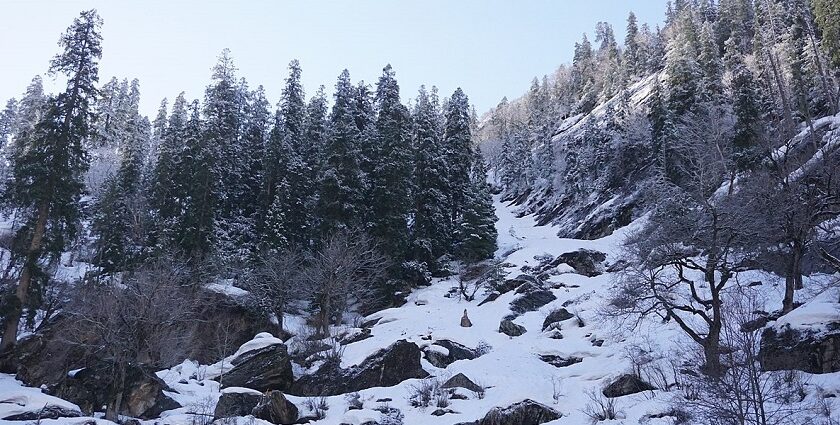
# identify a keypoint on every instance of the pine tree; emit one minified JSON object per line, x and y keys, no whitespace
{"x":476,"y":231}
{"x":458,"y":142}
{"x":169,"y":180}
{"x":390,"y":178}
{"x":745,"y":105}
{"x":827,"y":16}
{"x":341,"y":180}
{"x":633,"y":61}
{"x":195,"y":228}
{"x":432,"y":229}
{"x":249,"y":197}
{"x":47,"y":176}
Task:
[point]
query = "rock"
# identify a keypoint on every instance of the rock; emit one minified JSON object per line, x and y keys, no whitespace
{"x":559,"y":361}
{"x":355,"y":335}
{"x":47,"y":412}
{"x":511,"y":329}
{"x":441,"y":412}
{"x":493,"y":296}
{"x":625,"y":385}
{"x":586,"y":262}
{"x":530,"y":302}
{"x":276,"y":409}
{"x":526,"y":412}
{"x":556,"y":316}
{"x":262,"y":369}
{"x":808,"y":350}
{"x":465,"y":320}
{"x":454,"y":350}
{"x":143,"y":396}
{"x":236,"y":402}
{"x":461,"y":381}
{"x":385,"y":368}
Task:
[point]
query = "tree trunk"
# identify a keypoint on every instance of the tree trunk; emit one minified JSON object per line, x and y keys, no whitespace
{"x":793,"y":279}
{"x":25,"y":281}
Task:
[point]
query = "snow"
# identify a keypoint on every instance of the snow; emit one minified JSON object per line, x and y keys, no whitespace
{"x":15,"y":398}
{"x":815,"y":314}
{"x":261,"y":340}
{"x":359,"y":417}
{"x":226,"y":287}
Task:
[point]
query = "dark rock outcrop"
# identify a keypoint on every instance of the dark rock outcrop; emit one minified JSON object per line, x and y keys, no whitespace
{"x":556,"y":316}
{"x":511,"y":329}
{"x":143,"y":396}
{"x":560,"y":361}
{"x":385,"y":368}
{"x":625,"y":385}
{"x":461,"y":381}
{"x":47,"y":412}
{"x":263,"y":369}
{"x":812,"y":351}
{"x":526,"y":412}
{"x":276,"y":409}
{"x":456,"y":352}
{"x":586,"y":262}
{"x":531,"y":301}
{"x":236,"y":403}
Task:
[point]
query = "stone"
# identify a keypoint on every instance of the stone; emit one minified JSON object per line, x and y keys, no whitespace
{"x":262,"y":369}
{"x":625,"y":385}
{"x":465,"y":320}
{"x":585,"y":262}
{"x":461,"y":381}
{"x":50,"y":411}
{"x":455,"y":351}
{"x":560,"y":361}
{"x":143,"y":396}
{"x":530,"y":302}
{"x":385,"y":368}
{"x":556,"y":316}
{"x":275,"y":408}
{"x":804,"y":349}
{"x":509,"y":328}
{"x":236,"y":402}
{"x":526,"y":412}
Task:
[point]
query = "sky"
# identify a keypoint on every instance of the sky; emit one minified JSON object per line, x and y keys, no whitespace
{"x":489,"y":48}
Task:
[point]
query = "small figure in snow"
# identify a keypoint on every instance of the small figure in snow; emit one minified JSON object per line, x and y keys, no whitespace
{"x":465,"y":321}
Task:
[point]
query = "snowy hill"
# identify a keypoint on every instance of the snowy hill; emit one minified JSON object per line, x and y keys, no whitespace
{"x":592,"y":353}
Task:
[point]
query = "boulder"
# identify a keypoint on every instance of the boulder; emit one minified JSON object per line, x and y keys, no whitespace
{"x":262,"y":369}
{"x":526,"y":412}
{"x":276,"y":409}
{"x":461,"y":381}
{"x":46,"y":412}
{"x":530,"y":302}
{"x":143,"y":395}
{"x":385,"y":368}
{"x":455,"y":351}
{"x":556,"y":316}
{"x":236,"y":402}
{"x":585,"y":262}
{"x":808,"y":350}
{"x":625,"y":385}
{"x":511,"y":329}
{"x":560,"y":361}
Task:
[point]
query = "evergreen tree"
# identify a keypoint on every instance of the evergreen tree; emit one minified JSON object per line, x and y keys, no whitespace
{"x":341,"y":180}
{"x":169,"y":179}
{"x":745,"y":105}
{"x":633,"y":61}
{"x":476,"y":231}
{"x":47,"y":176}
{"x":827,"y":16}
{"x":195,"y":228}
{"x":458,"y":142}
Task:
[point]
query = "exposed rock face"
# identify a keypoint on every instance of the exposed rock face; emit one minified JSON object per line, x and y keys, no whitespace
{"x":237,"y":402}
{"x":626,"y":385}
{"x":276,"y":409}
{"x":556,"y":316}
{"x":143,"y":396}
{"x":526,"y":412}
{"x":586,"y":262}
{"x":531,"y":301}
{"x":461,"y":381}
{"x":263,"y":369}
{"x":385,"y":368}
{"x":511,"y":329}
{"x":456,"y":352}
{"x":47,"y":412}
{"x":559,"y":361}
{"x":807,"y":350}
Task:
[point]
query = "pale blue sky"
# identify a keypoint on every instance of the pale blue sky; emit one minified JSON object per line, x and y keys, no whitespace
{"x":491,"y":48}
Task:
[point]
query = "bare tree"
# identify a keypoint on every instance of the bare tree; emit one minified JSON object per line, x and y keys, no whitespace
{"x":691,"y":248}
{"x":145,"y":319}
{"x":342,"y":274}
{"x":273,"y":282}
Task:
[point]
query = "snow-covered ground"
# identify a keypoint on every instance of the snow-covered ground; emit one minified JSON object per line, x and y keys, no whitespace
{"x":511,"y":371}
